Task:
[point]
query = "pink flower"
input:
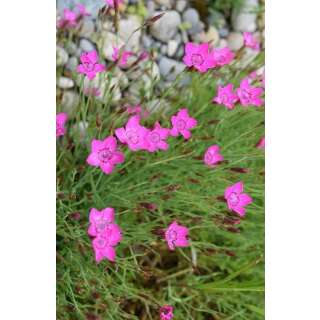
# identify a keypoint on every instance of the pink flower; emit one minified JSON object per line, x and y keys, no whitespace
{"x":250,"y":41}
{"x":125,"y":55}
{"x":182,"y":123}
{"x":222,"y":56}
{"x":134,"y":110}
{"x":249,"y":95}
{"x":166,"y":312}
{"x":104,"y":154}
{"x":82,"y":10}
{"x":112,"y":3}
{"x":61,"y":119}
{"x":226,"y":96}
{"x":104,"y":243}
{"x":134,"y":135}
{"x":212,"y":156}
{"x":261,"y":143}
{"x":143,"y":55}
{"x":197,"y":56}
{"x":156,"y":138}
{"x":176,"y":236}
{"x":69,"y":19}
{"x":236,"y":199}
{"x":100,"y":221}
{"x":90,"y":66}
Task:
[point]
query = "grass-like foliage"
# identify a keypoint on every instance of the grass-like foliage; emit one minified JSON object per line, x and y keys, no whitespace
{"x":221,"y":274}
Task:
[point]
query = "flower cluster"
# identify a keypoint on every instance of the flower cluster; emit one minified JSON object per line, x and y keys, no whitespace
{"x":202,"y":59}
{"x":246,"y":94}
{"x":106,"y":234}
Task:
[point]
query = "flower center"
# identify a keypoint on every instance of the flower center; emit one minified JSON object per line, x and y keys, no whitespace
{"x":104,"y":155}
{"x":246,"y":95}
{"x":155,"y":137}
{"x":233,"y":198}
{"x":173,"y":235}
{"x":101,"y":243}
{"x":181,"y":124}
{"x":101,"y":225}
{"x":132,"y":136}
{"x":197,"y":59}
{"x":89,"y":66}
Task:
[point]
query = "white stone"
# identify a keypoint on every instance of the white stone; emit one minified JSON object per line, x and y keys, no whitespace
{"x":61,"y":56}
{"x":65,"y":83}
{"x":126,"y":29}
{"x":235,"y":41}
{"x":244,"y":18}
{"x":172,"y":47}
{"x":70,"y":101}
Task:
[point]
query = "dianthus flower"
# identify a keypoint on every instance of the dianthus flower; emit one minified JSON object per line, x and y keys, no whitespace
{"x":237,"y":199}
{"x":156,"y":138}
{"x":123,"y":59}
{"x":166,"y":312}
{"x":182,"y":123}
{"x":226,"y":96}
{"x":249,"y":95}
{"x":90,"y":65}
{"x":100,"y":220}
{"x":261,"y":143}
{"x":69,"y":19}
{"x":176,"y":236}
{"x":133,"y":134}
{"x":221,"y":57}
{"x":112,"y":3}
{"x":197,"y":56}
{"x":212,"y":156}
{"x":104,"y":154}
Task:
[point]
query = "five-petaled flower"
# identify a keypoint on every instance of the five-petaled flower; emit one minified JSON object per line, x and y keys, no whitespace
{"x":226,"y":96}
{"x":176,"y":236}
{"x":197,"y":56}
{"x":182,"y":123}
{"x":104,"y":243}
{"x":250,"y":41}
{"x":121,"y":56}
{"x":221,"y":56}
{"x":100,"y":221}
{"x":212,"y":156}
{"x":166,"y":312}
{"x":61,"y":119}
{"x":156,"y":138}
{"x":249,"y":95}
{"x":104,"y":154}
{"x":237,"y":199}
{"x":90,"y":65}
{"x":133,"y":134}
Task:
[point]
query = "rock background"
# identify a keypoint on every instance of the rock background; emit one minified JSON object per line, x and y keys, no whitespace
{"x":164,"y":39}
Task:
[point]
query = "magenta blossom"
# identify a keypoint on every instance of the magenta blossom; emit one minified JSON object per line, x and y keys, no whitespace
{"x":197,"y":56}
{"x":82,"y":10}
{"x":221,"y":56}
{"x":166,"y":312}
{"x":69,"y":19}
{"x":61,"y":119}
{"x":212,"y":156}
{"x":250,"y":41}
{"x":100,"y":221}
{"x":249,"y":95}
{"x":90,"y":66}
{"x":261,"y":143}
{"x":236,"y":199}
{"x":104,"y":243}
{"x":176,"y":236}
{"x":104,"y":154}
{"x":113,"y":3}
{"x":134,"y":135}
{"x":123,"y":59}
{"x":182,"y":123}
{"x":226,"y":96}
{"x":156,"y":138}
